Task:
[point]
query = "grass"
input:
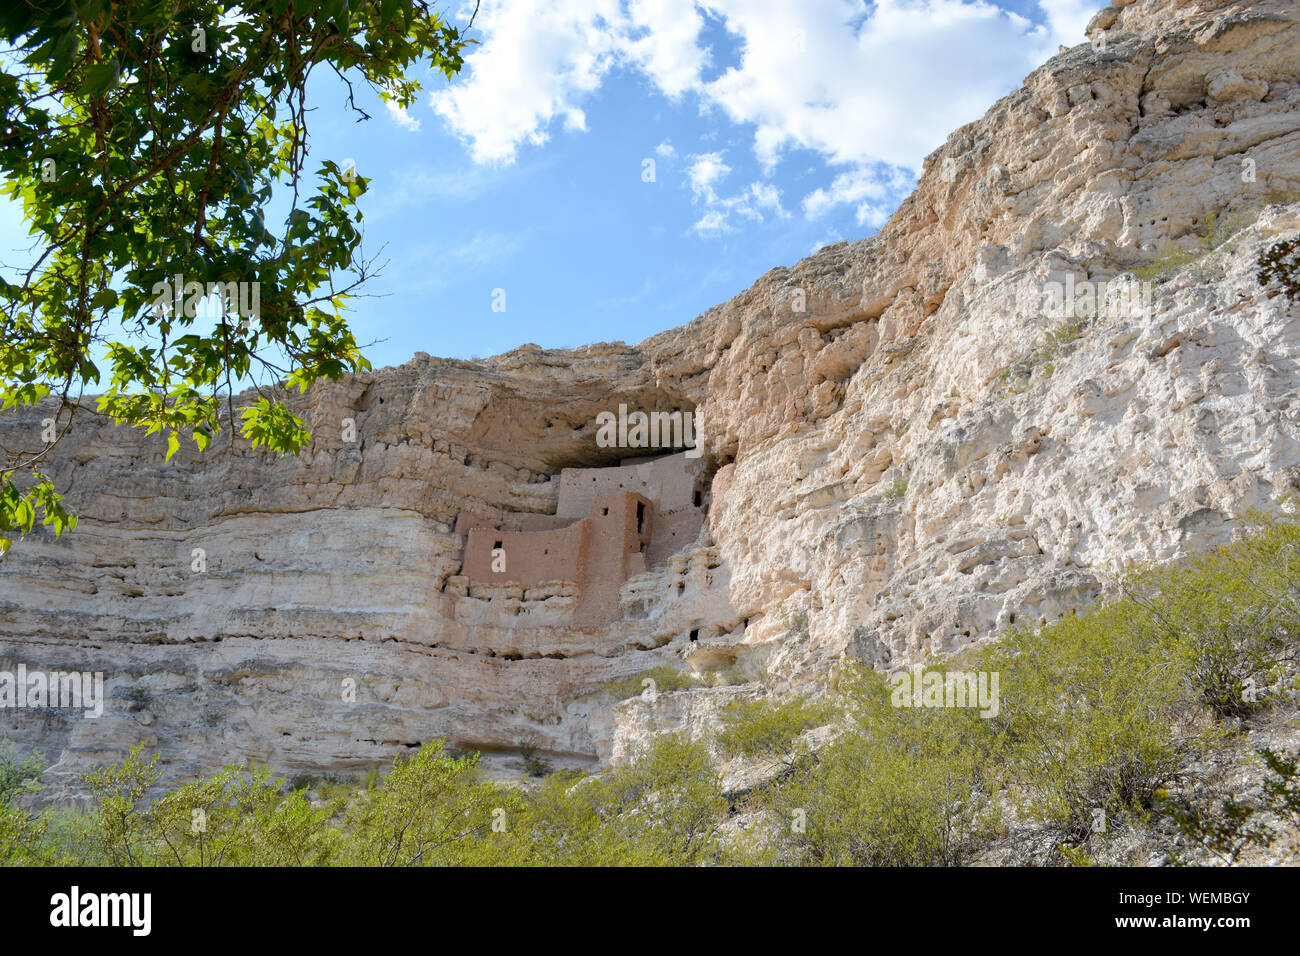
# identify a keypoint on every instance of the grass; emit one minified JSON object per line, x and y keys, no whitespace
{"x":1041,"y":359}
{"x":795,"y":622}
{"x":1213,"y":234}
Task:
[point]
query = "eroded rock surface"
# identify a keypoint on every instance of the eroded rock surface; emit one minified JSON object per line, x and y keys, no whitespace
{"x":906,"y":448}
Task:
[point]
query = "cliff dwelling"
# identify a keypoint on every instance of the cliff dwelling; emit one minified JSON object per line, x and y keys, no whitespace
{"x":609,"y":524}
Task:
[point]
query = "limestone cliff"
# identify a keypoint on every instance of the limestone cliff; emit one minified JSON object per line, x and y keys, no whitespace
{"x":907,"y":445}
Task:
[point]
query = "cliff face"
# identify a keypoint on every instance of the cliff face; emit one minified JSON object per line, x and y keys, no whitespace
{"x":909,"y":442}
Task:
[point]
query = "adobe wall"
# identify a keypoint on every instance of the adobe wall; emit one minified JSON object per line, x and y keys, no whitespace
{"x":617,"y":547}
{"x":610,"y":524}
{"x":532,"y":557}
{"x":669,"y":482}
{"x":672,"y":532}
{"x":510,"y":521}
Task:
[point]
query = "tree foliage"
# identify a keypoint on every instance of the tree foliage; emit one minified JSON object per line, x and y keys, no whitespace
{"x":146,"y":142}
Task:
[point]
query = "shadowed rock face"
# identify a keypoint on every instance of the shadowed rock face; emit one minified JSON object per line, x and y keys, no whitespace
{"x":905,"y":449}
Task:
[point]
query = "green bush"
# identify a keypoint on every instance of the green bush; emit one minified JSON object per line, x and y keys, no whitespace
{"x":901,"y":787}
{"x":897,"y":488}
{"x":237,"y":817}
{"x":17,"y":775}
{"x":534,"y":762}
{"x":1097,"y":711}
{"x":662,"y":807}
{"x":1240,"y":824}
{"x":22,"y":837}
{"x":1280,"y":263}
{"x":1084,"y":721}
{"x":762,"y":728}
{"x":1041,"y":359}
{"x":1230,"y":615}
{"x":431,"y":809}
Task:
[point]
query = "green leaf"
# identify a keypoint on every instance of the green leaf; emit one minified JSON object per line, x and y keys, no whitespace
{"x":103,"y":299}
{"x":102,"y":77}
{"x":137,"y":166}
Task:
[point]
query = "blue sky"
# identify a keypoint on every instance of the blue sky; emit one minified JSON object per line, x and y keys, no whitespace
{"x":774,"y":127}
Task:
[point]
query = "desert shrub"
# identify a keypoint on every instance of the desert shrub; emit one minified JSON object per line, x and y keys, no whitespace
{"x":17,"y":774}
{"x":1016,"y":376}
{"x":765,"y":728}
{"x":795,"y":622}
{"x":674,"y":796}
{"x":1084,"y":719}
{"x":1232,"y":615}
{"x":1095,"y":713}
{"x":897,"y":488}
{"x":662,"y":807}
{"x":1240,"y":824}
{"x":1214,"y":232}
{"x":562,"y":821}
{"x":430,"y":809}
{"x":21,"y":837}
{"x":534,"y":763}
{"x":1098,"y":707}
{"x":66,"y":838}
{"x":120,"y":832}
{"x":242,"y":817}
{"x":900,"y":787}
{"x":1280,"y":263}
{"x":236,"y":817}
{"x":1167,"y":263}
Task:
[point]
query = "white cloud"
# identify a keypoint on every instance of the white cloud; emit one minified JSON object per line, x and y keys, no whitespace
{"x":705,"y":170}
{"x":484,"y":249}
{"x":539,"y":59}
{"x":536,"y":62}
{"x":858,"y":86}
{"x":666,"y":150}
{"x":867,"y":86}
{"x":756,"y":202}
{"x":872,"y":190}
{"x":712,"y":223}
{"x":662,"y":41}
{"x":766,"y":196}
{"x":1066,"y":19}
{"x":402,"y":117}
